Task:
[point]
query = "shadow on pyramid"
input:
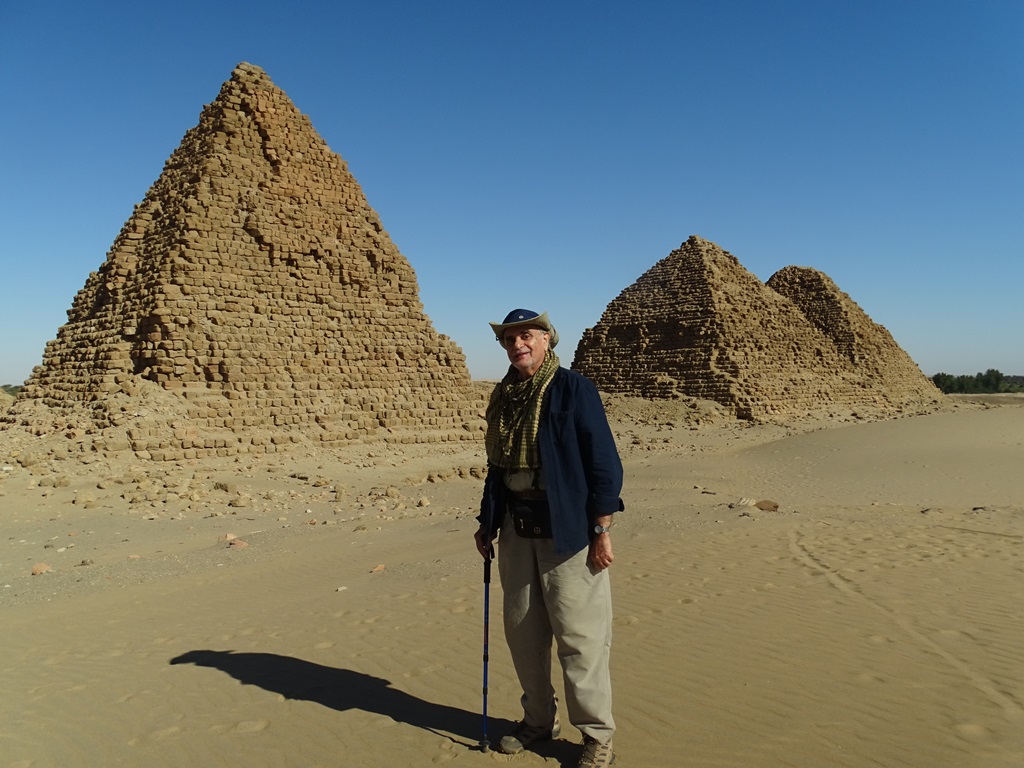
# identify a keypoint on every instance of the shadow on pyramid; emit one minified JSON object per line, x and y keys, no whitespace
{"x":252,"y":300}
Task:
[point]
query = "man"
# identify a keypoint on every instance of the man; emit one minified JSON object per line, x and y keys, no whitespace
{"x":553,"y":483}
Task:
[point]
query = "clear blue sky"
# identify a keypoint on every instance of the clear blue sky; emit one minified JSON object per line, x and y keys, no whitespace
{"x":547,"y":153}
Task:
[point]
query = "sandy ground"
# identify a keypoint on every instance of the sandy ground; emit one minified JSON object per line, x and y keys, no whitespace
{"x":327,"y":609}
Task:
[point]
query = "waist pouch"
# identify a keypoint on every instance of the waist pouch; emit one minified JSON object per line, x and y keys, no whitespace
{"x":531,"y":519}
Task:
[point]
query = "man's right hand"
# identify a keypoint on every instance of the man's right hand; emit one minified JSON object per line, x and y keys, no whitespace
{"x":484,"y":543}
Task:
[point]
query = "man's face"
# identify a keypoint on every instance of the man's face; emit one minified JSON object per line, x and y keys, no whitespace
{"x":525,"y":346}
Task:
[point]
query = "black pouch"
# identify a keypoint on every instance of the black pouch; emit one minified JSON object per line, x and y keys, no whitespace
{"x":531,"y":518}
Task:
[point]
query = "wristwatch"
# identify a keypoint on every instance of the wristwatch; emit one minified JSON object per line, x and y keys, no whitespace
{"x":602,"y":528}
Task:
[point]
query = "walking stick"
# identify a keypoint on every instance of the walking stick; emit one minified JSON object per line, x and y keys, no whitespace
{"x":485,"y":745}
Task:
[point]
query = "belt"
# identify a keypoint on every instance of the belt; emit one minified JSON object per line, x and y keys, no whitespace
{"x":531,"y":495}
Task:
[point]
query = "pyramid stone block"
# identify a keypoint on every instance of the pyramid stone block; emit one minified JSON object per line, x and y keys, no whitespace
{"x":253,"y":299}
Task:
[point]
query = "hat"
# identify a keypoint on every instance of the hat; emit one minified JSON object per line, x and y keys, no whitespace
{"x":519,"y":317}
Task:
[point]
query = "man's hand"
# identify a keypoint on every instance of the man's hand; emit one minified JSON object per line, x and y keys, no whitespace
{"x":600,"y":555}
{"x":484,"y":543}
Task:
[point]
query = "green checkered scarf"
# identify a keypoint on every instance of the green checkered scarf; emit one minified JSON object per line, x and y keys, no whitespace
{"x":513,"y":417}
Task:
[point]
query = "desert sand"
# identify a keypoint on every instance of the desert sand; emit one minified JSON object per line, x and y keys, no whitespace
{"x":326,"y":609}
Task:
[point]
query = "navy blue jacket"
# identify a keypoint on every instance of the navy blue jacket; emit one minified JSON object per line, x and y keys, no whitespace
{"x":582,"y":469}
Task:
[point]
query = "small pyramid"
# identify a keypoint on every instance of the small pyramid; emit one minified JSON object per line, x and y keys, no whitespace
{"x":252,"y":299}
{"x":699,"y":324}
{"x":867,"y":345}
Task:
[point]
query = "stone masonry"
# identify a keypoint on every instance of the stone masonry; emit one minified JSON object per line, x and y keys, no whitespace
{"x":698,"y":324}
{"x":253,"y":299}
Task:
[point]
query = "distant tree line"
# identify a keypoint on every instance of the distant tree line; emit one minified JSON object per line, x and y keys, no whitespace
{"x":991,"y":381}
{"x":10,"y":389}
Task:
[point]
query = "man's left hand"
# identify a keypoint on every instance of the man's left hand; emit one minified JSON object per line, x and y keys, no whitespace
{"x":600,"y":556}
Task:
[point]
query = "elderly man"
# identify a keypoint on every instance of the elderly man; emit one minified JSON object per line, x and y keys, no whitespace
{"x":553,"y":483}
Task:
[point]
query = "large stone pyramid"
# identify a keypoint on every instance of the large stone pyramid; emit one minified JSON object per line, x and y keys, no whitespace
{"x":699,"y":324}
{"x":253,"y":299}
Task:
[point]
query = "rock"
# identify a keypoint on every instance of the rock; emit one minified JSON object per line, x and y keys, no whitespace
{"x":40,"y":568}
{"x":767,"y":506}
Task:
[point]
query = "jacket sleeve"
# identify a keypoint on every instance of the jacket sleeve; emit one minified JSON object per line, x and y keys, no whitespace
{"x":601,"y":461}
{"x":492,"y":503}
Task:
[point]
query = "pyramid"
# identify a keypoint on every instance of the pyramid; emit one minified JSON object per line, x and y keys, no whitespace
{"x":868,"y":346}
{"x":698,"y":324}
{"x":252,"y":300}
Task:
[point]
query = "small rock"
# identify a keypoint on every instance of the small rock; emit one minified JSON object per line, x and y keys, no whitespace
{"x":767,"y":506}
{"x":40,"y":568}
{"x":377,"y":569}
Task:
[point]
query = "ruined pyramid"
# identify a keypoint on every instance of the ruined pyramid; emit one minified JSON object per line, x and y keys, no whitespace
{"x":253,"y":299}
{"x":698,"y":324}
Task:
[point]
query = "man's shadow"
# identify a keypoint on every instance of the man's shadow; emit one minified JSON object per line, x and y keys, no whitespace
{"x":343,"y":689}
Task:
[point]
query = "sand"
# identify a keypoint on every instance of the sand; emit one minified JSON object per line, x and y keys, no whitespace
{"x":325,"y":609}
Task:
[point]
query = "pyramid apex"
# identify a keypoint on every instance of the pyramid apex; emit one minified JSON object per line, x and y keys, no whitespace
{"x":244,"y":67}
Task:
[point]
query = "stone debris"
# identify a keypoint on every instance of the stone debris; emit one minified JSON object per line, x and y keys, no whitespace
{"x":40,"y":568}
{"x":697,"y":324}
{"x":744,"y":502}
{"x":252,"y":301}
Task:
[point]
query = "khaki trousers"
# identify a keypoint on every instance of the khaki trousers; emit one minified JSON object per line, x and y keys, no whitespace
{"x":550,"y":596}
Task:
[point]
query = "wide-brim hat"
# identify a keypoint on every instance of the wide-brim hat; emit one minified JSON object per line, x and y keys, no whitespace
{"x":518,"y":317}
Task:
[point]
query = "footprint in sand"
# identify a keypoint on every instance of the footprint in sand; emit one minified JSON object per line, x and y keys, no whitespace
{"x":447,"y":753}
{"x":973,"y":731}
{"x":166,"y":733}
{"x":252,"y":726}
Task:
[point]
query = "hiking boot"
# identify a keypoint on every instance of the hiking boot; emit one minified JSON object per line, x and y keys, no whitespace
{"x":595,"y":754}
{"x":523,"y":736}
